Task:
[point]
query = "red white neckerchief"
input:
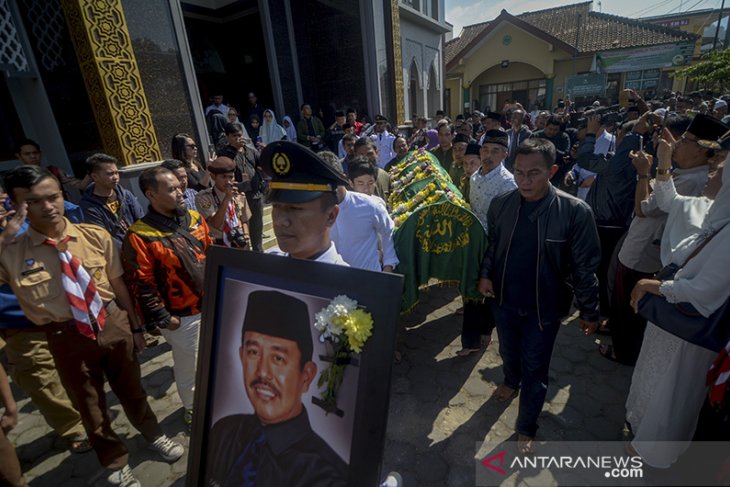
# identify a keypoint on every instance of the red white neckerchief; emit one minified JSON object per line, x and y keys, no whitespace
{"x":86,"y":304}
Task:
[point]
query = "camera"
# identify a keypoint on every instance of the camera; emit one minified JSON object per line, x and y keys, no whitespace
{"x":611,"y":119}
{"x":237,"y":239}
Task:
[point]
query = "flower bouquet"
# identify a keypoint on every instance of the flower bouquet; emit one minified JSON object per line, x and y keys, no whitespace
{"x":343,"y":328}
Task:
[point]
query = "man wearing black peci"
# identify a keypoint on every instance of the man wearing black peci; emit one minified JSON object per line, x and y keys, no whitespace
{"x":276,"y":446}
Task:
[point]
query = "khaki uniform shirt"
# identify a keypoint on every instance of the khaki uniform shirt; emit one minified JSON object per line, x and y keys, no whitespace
{"x":207,"y":207}
{"x":33,"y":270}
{"x":445,"y":157}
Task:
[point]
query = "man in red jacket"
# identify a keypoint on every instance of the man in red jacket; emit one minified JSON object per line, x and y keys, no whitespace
{"x":164,"y":257}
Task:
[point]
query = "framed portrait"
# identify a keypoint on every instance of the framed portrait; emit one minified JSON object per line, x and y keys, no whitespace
{"x":281,"y":398}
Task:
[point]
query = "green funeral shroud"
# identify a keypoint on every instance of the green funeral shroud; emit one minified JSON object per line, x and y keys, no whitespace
{"x":442,"y":241}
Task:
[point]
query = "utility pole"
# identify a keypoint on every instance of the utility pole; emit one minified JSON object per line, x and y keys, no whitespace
{"x":577,"y":40}
{"x":717,"y":30}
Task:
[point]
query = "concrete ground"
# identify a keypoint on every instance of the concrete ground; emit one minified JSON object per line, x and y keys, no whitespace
{"x":440,"y":407}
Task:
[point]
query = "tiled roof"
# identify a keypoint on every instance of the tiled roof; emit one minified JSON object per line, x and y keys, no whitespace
{"x":579,"y":27}
{"x":455,"y":45}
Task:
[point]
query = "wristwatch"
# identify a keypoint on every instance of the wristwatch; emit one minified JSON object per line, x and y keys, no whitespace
{"x":664,"y":172}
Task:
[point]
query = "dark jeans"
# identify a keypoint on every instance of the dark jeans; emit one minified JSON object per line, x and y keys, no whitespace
{"x":256,"y":223}
{"x":525,"y":350}
{"x":609,"y":237}
{"x":627,"y":327}
{"x":478,"y":321}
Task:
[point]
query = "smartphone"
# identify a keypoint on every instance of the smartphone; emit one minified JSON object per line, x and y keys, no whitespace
{"x":7,"y":204}
{"x":211,"y":151}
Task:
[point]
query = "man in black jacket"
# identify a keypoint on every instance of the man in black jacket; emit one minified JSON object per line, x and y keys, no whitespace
{"x":541,"y":235}
{"x":611,"y":196}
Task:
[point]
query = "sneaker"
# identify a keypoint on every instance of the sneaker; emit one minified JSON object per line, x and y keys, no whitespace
{"x":394,"y":479}
{"x":123,"y":477}
{"x":169,"y":450}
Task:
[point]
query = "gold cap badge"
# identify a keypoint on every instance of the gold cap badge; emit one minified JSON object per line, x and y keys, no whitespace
{"x":280,"y":164}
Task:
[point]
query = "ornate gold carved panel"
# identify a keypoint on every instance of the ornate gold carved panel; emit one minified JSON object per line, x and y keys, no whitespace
{"x":106,"y":58}
{"x":400,"y":102}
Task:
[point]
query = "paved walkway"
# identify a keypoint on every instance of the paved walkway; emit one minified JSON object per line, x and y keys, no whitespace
{"x":440,"y":407}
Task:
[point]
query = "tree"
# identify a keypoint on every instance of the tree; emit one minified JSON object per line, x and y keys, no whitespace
{"x":713,"y":71}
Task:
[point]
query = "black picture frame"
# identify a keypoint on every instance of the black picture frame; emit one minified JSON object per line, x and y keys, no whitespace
{"x":378,"y":293}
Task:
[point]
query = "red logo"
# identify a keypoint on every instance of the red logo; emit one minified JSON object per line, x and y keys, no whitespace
{"x":487,"y":462}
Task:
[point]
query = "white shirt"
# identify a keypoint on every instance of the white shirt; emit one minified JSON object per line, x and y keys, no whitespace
{"x":384,"y":143}
{"x":330,"y":256}
{"x":640,"y":250}
{"x":605,"y":143}
{"x":223,"y":108}
{"x":483,"y":188}
{"x":341,"y":150}
{"x":363,"y":221}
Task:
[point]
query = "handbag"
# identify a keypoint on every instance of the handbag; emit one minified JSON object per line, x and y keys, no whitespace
{"x":682,"y":319}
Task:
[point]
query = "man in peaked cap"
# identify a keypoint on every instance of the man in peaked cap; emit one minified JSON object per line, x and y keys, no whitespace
{"x":276,"y":445}
{"x":304,"y":201}
{"x":383,"y":140}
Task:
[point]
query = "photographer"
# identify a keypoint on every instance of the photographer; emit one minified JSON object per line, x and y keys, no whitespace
{"x":635,"y":103}
{"x":553,"y":132}
{"x":248,"y":179}
{"x":579,"y":180}
{"x":639,"y":257}
{"x":223,"y":207}
{"x":612,"y":194}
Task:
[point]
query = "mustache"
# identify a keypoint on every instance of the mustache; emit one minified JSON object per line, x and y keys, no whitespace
{"x":263,"y":382}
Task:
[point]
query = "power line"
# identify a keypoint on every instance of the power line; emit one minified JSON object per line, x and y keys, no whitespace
{"x":689,"y":8}
{"x":643,"y":10}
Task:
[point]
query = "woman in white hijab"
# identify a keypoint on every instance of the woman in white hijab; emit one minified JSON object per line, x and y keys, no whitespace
{"x":291,"y":130}
{"x":668,"y":386}
{"x":270,"y":130}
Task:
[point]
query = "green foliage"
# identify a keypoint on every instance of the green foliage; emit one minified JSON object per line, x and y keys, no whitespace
{"x":713,"y":70}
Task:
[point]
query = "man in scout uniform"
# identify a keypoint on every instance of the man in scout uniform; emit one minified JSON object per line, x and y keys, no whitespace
{"x":276,"y":446}
{"x":31,"y":363}
{"x":223,"y":207}
{"x":68,"y":279}
{"x":304,"y":201}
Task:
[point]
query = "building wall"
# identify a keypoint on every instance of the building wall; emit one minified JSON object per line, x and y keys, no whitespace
{"x":566,"y":68}
{"x":529,"y":58}
{"x":508,"y":42}
{"x":694,"y":24}
{"x":497,"y":74}
{"x":422,"y":47}
{"x":456,"y":105}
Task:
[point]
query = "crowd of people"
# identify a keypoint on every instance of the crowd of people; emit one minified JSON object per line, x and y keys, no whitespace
{"x":595,"y":207}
